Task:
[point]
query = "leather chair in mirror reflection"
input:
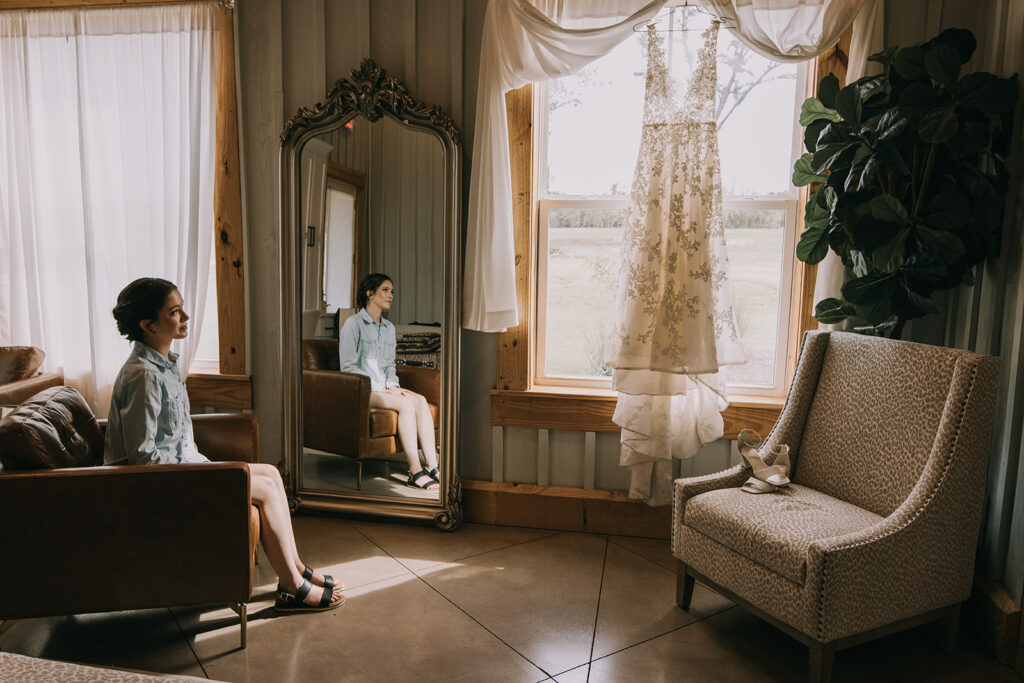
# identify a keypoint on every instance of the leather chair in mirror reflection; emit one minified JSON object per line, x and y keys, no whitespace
{"x":20,"y":378}
{"x":127,"y":537}
{"x":336,"y":413}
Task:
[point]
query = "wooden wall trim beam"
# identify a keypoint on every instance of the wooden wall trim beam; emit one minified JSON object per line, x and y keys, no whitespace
{"x":593,"y":413}
{"x":563,"y":508}
{"x":220,"y":391}
{"x":227,"y":209}
{"x":515,"y":345}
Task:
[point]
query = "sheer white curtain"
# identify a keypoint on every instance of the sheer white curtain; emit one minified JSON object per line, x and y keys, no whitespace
{"x":522,"y":42}
{"x":106,"y":174}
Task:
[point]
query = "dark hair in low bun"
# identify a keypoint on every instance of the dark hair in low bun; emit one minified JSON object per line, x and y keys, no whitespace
{"x":140,"y":300}
{"x":370,"y":283}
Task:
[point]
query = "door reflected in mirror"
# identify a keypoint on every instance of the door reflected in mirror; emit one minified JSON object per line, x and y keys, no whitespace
{"x":373,"y":201}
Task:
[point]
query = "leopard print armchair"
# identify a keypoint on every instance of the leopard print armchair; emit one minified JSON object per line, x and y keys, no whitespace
{"x":877,"y":531}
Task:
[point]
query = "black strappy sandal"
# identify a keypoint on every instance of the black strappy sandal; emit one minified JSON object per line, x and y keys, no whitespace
{"x":286,"y":602}
{"x":329,"y":583}
{"x":435,"y":474}
{"x":422,"y":480}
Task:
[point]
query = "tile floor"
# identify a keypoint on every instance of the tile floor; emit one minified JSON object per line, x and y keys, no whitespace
{"x":484,"y":603}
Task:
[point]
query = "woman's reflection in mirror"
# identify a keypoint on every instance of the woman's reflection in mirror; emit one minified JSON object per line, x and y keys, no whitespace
{"x":366,"y":346}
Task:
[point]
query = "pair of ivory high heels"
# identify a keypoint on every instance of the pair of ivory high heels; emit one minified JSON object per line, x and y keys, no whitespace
{"x":767,"y":478}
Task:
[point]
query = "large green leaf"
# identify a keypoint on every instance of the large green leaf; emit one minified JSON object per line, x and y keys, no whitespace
{"x":831,"y":311}
{"x":925,"y":276}
{"x":987,"y":94}
{"x":971,"y":137}
{"x":828,"y":157}
{"x":962,"y":40}
{"x":828,"y":89}
{"x":891,"y":124}
{"x":939,"y":125}
{"x":813,"y":110}
{"x":910,"y":63}
{"x":813,"y":245}
{"x":923,"y":303}
{"x":848,"y":105}
{"x":917,"y":99}
{"x":812,"y":133}
{"x":889,"y":256}
{"x":876,"y":312}
{"x":889,"y":154}
{"x":887,"y":208}
{"x":942,"y":243}
{"x":802,"y":173}
{"x":869,"y":288}
{"x":862,"y":173}
{"x":949,"y":209}
{"x":943,"y":65}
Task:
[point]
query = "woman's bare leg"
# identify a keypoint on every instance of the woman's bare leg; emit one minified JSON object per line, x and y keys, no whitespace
{"x":425,"y":430}
{"x":406,"y":409}
{"x":272,"y":472}
{"x":276,"y":534}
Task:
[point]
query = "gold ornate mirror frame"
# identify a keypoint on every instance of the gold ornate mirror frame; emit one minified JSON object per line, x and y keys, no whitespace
{"x":371,"y":94}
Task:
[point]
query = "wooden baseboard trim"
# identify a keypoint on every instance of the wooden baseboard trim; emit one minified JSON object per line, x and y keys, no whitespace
{"x":563,"y":508}
{"x":993,"y":614}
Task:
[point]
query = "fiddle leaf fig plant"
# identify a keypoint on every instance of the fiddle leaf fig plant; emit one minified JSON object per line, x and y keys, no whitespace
{"x":910,"y":179}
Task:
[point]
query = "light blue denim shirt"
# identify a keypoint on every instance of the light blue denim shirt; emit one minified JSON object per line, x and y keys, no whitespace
{"x":368,"y":349}
{"x":149,"y":421}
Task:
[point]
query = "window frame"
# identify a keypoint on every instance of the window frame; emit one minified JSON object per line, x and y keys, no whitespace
{"x":517,"y":400}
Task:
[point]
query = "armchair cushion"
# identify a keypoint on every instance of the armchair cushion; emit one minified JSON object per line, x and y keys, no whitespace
{"x":774,"y":530}
{"x":53,"y":429}
{"x":19,"y":362}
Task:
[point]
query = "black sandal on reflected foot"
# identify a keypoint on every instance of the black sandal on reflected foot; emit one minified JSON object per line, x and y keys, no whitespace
{"x":435,"y":474}
{"x":286,"y":602}
{"x":422,"y":480}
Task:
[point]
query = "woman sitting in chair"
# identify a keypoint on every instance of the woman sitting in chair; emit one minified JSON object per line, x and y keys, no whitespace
{"x":149,"y":424}
{"x":366,"y":345}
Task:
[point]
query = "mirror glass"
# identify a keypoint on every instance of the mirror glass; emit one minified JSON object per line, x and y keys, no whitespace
{"x":372,"y":201}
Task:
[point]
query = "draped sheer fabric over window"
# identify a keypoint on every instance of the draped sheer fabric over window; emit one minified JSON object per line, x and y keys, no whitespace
{"x":527,"y":41}
{"x":106,"y":174}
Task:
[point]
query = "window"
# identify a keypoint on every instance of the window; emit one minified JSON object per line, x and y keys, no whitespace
{"x":586,"y":147}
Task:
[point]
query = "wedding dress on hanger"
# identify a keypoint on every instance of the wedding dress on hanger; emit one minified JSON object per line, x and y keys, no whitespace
{"x":673,"y":321}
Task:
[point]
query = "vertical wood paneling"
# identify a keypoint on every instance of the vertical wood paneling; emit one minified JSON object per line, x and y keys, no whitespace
{"x":543,"y":461}
{"x":260,"y":89}
{"x":497,"y":454}
{"x":589,"y":459}
{"x":433,"y":24}
{"x":393,"y":37}
{"x":347,"y":25}
{"x":302,"y":30}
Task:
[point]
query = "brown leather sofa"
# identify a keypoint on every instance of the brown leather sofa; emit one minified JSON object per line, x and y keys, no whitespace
{"x":80,"y":537}
{"x":20,"y":378}
{"x":336,"y":413}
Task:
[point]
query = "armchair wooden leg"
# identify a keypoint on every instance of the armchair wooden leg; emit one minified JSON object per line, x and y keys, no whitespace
{"x":819,"y":662}
{"x":950,"y":629}
{"x":359,"y":475}
{"x":684,"y":586}
{"x":240,"y":608}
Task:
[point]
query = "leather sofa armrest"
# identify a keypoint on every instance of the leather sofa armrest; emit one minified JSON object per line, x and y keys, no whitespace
{"x":228,"y":436}
{"x":131,"y":536}
{"x":424,"y":381}
{"x":13,"y":393}
{"x":335,"y":410}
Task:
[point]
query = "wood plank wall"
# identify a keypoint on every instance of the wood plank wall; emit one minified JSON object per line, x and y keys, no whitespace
{"x":288,"y":55}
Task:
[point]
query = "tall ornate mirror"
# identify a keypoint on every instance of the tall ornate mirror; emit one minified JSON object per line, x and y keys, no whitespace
{"x":369,"y":184}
